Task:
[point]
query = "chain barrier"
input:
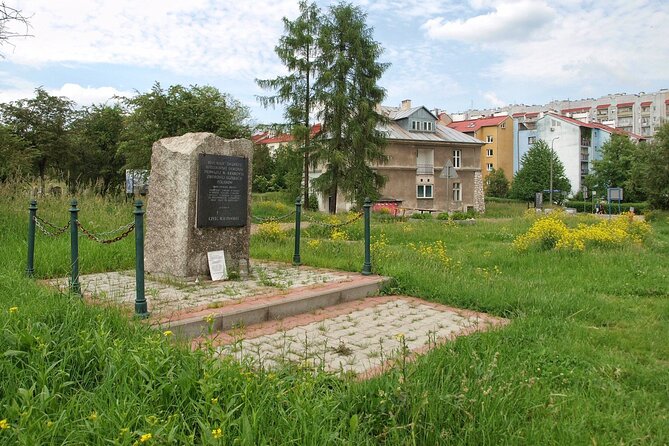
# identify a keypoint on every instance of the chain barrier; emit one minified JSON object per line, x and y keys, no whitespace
{"x":100,"y":237}
{"x":272,"y":219}
{"x":49,"y":229}
{"x":336,"y":225}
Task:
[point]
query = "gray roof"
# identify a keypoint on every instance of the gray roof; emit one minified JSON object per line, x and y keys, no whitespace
{"x":442,"y":134}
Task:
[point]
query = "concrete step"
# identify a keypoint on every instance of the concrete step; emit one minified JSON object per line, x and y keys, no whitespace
{"x":272,"y":307}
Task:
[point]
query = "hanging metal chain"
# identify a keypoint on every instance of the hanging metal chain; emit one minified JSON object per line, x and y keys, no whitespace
{"x":50,"y":229}
{"x":100,"y":237}
{"x":336,"y":225}
{"x":272,"y":219}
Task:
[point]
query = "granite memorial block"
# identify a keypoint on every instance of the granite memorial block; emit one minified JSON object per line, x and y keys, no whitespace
{"x":200,"y":202}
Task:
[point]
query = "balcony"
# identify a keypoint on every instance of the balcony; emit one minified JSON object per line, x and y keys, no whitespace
{"x":424,"y":169}
{"x":585,"y":142}
{"x":624,"y":112}
{"x":585,"y":157}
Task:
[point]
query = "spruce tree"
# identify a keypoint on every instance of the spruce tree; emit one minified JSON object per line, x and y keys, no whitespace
{"x":298,"y":50}
{"x":348,"y":93}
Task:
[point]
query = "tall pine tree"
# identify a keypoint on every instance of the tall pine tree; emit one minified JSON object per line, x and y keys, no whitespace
{"x":347,"y":92}
{"x":298,"y":50}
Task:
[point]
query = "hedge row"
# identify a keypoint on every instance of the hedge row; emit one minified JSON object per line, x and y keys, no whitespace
{"x":588,"y":206}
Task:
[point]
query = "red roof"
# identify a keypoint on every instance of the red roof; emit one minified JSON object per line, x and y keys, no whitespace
{"x":518,"y":115}
{"x":472,"y":125}
{"x":576,"y":110}
{"x":596,"y":125}
{"x":602,"y":106}
{"x":532,"y":115}
{"x":286,"y":137}
{"x":625,"y":104}
{"x":646,"y":104}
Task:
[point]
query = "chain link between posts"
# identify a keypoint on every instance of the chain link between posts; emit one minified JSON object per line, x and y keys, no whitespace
{"x":49,"y":229}
{"x":100,"y":237}
{"x":272,"y":219}
{"x":336,"y":225}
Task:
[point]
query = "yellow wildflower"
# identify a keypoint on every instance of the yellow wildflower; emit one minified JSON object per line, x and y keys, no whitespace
{"x":217,"y":433}
{"x":13,"y":310}
{"x":49,"y":423}
{"x":93,"y":416}
{"x":209,"y":318}
{"x":214,"y":400}
{"x":167,"y":333}
{"x":4,"y":424}
{"x":145,"y":438}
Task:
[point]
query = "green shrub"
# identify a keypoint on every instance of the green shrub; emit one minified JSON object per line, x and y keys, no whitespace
{"x":639,"y":208}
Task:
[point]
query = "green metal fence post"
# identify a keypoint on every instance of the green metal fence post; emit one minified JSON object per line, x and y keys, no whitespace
{"x":141,"y":308}
{"x":367,"y":266}
{"x":298,"y":215}
{"x":75,"y":287}
{"x":30,"y":270}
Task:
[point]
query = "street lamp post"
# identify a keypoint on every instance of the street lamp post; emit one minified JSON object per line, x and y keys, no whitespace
{"x":552,"y":156}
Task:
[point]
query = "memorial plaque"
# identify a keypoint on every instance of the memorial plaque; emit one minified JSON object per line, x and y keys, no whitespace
{"x":222,"y":191}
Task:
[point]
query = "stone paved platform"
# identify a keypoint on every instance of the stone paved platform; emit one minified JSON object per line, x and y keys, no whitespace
{"x":361,"y":337}
{"x":171,"y":296}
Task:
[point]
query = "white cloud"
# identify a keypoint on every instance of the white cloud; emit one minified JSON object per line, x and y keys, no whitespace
{"x":516,"y":20}
{"x":198,"y":36}
{"x":82,"y":96}
{"x":493,"y":99}
{"x":573,"y":41}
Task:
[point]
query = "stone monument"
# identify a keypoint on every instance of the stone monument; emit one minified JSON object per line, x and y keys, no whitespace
{"x":199,"y":202}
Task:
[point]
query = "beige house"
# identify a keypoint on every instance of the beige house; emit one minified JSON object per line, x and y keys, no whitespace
{"x":419,"y":146}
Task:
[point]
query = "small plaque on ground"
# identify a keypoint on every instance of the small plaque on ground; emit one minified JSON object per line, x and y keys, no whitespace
{"x":217,"y":268}
{"x":222,"y":191}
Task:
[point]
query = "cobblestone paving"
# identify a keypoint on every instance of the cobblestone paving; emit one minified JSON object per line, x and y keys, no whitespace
{"x":360,"y":337}
{"x":166,"y":296}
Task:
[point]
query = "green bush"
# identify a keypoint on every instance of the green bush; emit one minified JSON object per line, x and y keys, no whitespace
{"x":639,"y":208}
{"x":423,"y":216}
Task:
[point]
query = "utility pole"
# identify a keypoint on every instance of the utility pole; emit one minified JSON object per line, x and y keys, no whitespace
{"x":552,"y":156}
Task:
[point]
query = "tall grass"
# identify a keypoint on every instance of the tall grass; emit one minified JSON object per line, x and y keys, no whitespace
{"x":583,"y":361}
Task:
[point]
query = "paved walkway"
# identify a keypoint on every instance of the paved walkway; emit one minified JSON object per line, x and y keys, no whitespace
{"x":170,"y":296}
{"x":362,"y":338}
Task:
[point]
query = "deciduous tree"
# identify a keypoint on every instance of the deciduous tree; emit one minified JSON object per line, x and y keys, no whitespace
{"x":651,"y":168}
{"x":42,"y":122}
{"x":176,"y":111}
{"x":496,"y":184}
{"x":615,"y":168}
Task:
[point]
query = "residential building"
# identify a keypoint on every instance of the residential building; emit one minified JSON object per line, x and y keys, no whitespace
{"x":418,"y":148}
{"x":497,"y":133}
{"x":274,"y":141}
{"x":641,"y":113}
{"x":577,"y":144}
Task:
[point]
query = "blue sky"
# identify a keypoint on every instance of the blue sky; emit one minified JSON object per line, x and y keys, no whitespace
{"x":450,"y":55}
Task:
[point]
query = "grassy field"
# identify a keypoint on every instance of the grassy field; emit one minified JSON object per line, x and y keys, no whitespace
{"x":584,"y":361}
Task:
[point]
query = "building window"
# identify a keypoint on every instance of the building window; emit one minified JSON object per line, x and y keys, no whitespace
{"x":424,"y":191}
{"x":488,"y":139}
{"x":457,"y":155}
{"x":488,"y":152}
{"x":489,"y":167}
{"x":457,"y":192}
{"x":415,"y":125}
{"x":531,"y":139}
{"x":502,"y":125}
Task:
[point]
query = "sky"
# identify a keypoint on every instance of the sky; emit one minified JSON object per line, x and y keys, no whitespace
{"x":448,"y":54}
